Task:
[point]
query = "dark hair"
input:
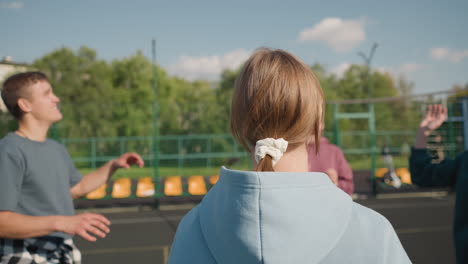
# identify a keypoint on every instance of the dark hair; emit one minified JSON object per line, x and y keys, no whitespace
{"x":15,"y":87}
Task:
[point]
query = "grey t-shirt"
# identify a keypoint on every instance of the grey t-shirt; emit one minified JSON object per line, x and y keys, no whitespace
{"x":36,"y":177}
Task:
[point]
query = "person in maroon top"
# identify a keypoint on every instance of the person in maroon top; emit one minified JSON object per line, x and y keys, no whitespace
{"x":331,"y":160}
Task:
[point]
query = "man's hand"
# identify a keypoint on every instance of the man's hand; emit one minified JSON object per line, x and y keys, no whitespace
{"x":84,"y":225}
{"x":128,"y":159}
{"x":435,"y":117}
{"x":94,"y":179}
{"x":333,"y":175}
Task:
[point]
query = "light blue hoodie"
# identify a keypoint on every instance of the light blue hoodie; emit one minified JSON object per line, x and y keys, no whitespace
{"x":278,"y":217}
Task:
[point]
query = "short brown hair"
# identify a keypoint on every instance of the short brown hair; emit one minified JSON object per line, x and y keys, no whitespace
{"x":276,"y":96}
{"x":15,"y":87}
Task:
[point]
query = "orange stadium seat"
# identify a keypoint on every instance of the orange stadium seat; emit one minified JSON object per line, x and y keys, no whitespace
{"x":404,"y":174}
{"x":122,"y":188}
{"x":214,"y":179}
{"x":380,"y":172}
{"x":173,"y":186}
{"x":145,"y":187}
{"x":196,"y":185}
{"x":99,"y":193}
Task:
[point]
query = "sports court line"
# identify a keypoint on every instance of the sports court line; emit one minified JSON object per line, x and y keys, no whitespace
{"x":423,"y":230}
{"x":410,"y":205}
{"x":112,"y":210}
{"x":176,"y":207}
{"x":164,"y":249}
{"x":137,"y":209}
{"x":412,"y":195}
{"x":136,"y":220}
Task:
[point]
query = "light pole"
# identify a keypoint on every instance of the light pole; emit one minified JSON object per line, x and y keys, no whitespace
{"x":371,"y":119}
{"x":155,"y":120}
{"x":368,"y":60}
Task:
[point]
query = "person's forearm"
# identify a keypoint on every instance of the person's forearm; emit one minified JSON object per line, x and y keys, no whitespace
{"x":93,"y":180}
{"x":421,"y":138}
{"x":19,"y":226}
{"x":346,"y":185}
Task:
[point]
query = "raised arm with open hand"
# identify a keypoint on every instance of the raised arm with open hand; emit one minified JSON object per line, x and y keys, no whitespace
{"x":434,"y":118}
{"x":93,"y":180}
{"x":128,"y":159}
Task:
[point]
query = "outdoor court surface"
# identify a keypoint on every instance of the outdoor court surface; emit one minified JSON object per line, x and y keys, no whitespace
{"x":423,"y":223}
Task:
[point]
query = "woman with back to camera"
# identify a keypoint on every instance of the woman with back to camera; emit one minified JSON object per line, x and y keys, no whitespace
{"x":280,"y":213}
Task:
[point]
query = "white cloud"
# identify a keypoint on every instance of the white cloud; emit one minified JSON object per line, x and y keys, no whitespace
{"x":340,"y":69}
{"x":208,"y":67}
{"x":446,"y":54}
{"x":342,"y":35}
{"x":439,"y":53}
{"x":12,"y":5}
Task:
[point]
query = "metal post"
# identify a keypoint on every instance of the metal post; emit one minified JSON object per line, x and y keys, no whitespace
{"x":93,"y":152}
{"x":373,"y":147}
{"x":208,"y":150}
{"x":155,"y":122}
{"x":122,"y":146}
{"x":451,"y":135}
{"x":465,"y":122}
{"x":336,"y":125}
{"x":55,"y":131}
{"x":368,"y":60}
{"x":179,"y":150}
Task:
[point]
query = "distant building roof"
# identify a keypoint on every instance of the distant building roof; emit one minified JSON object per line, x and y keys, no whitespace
{"x":7,"y":60}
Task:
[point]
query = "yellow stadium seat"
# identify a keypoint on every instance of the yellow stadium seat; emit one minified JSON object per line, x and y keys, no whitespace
{"x":380,"y":172}
{"x":173,"y":186}
{"x":214,"y":179}
{"x":122,"y":188}
{"x":99,"y":193}
{"x":145,"y":187}
{"x":196,"y":185}
{"x":404,"y":174}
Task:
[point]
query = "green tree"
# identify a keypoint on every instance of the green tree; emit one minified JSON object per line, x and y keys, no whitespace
{"x":132,"y":96}
{"x":83,"y":83}
{"x":224,"y":98}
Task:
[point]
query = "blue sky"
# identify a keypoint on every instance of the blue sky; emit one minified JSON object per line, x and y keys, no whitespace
{"x":427,"y":41}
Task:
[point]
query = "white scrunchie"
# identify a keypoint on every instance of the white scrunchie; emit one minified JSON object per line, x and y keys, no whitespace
{"x":273,"y":147}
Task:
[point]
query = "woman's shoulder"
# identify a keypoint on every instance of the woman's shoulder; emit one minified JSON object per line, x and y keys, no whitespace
{"x":188,"y":245}
{"x":378,"y":241}
{"x":369,"y":219}
{"x":370,"y":226}
{"x":189,"y":222}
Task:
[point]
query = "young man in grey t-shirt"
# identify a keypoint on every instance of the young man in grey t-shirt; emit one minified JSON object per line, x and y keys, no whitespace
{"x":38,"y":181}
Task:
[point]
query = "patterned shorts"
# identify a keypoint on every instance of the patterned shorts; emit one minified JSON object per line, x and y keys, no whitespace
{"x":41,"y":250}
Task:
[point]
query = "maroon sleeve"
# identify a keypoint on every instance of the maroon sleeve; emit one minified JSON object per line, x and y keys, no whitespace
{"x":345,"y":174}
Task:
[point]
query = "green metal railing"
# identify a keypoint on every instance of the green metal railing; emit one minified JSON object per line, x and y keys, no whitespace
{"x":212,"y":151}
{"x":175,"y":151}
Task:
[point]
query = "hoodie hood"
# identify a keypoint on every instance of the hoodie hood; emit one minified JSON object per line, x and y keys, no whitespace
{"x":273,"y":217}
